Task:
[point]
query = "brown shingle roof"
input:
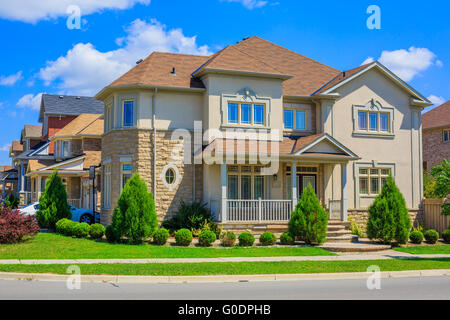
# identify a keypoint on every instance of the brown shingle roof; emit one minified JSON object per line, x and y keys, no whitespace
{"x":34,"y":164}
{"x":438,"y":117}
{"x":252,"y":55}
{"x":16,"y":146}
{"x":32,"y":131}
{"x":156,"y":70}
{"x":84,"y":124}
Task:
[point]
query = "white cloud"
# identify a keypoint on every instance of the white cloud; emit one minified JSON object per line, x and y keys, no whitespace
{"x":85,"y":70}
{"x":437,"y":101}
{"x":10,"y":80}
{"x":408,"y":63}
{"x":30,"y":101}
{"x":368,"y":60}
{"x":250,"y":4}
{"x":5,"y":147}
{"x":32,"y":11}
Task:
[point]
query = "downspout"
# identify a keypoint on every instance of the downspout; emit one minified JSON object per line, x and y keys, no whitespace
{"x":154,"y":140}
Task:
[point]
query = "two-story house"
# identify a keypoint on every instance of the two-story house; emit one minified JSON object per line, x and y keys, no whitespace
{"x":56,"y":111}
{"x":248,"y":128}
{"x":77,"y":147}
{"x":436,"y":136}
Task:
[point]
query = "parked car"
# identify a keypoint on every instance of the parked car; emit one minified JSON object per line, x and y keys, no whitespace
{"x":79,"y":215}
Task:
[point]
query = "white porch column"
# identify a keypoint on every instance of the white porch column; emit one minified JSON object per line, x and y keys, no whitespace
{"x":22,"y":178}
{"x":294,"y":183}
{"x":344,"y":201}
{"x":223,"y":180}
{"x":38,"y":188}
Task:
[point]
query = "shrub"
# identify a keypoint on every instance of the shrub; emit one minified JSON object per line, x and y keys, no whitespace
{"x":431,"y":236}
{"x":135,"y":215}
{"x":286,"y":239}
{"x":212,"y":226}
{"x":11,"y":202}
{"x":189,"y":216}
{"x":96,"y":231}
{"x":207,"y":238}
{"x":111,"y":235}
{"x":388,"y":215}
{"x":160,"y":236}
{"x":62,"y":225}
{"x":53,"y":203}
{"x":267,"y":239}
{"x":246,"y":239}
{"x":81,"y":230}
{"x":69,"y":228}
{"x":309,"y":220}
{"x":228,"y":239}
{"x":355,"y":228}
{"x":446,"y":235}
{"x":183,"y":237}
{"x":416,"y":237}
{"x":15,"y":228}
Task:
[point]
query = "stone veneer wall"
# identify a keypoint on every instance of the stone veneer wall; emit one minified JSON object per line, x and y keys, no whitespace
{"x":361,"y":216}
{"x":138,"y":144}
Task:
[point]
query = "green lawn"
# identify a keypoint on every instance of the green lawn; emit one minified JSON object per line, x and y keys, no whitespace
{"x":424,"y":249}
{"x":230,"y":268}
{"x":54,"y":246}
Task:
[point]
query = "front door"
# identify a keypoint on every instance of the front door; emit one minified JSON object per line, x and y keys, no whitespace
{"x":302,"y":182}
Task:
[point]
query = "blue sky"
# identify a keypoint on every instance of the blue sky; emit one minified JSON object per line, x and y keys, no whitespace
{"x":41,"y":54}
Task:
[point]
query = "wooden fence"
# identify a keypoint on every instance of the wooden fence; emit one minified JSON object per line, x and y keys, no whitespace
{"x":433,"y":217}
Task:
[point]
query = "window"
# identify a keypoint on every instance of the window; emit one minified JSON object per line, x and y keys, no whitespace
{"x":170,"y":176}
{"x":373,"y":121}
{"x":43,"y":181}
{"x":107,"y":186}
{"x":126,"y":169}
{"x":446,"y":136}
{"x":245,"y":182}
{"x":294,"y":119}
{"x":372,"y":180}
{"x":65,"y":149}
{"x":246,"y":113}
{"x":128,"y":106}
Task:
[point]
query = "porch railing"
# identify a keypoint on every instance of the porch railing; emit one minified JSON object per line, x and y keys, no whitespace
{"x":257,"y":210}
{"x":74,"y":202}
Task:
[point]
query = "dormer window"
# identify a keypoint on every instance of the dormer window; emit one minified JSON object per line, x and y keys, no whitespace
{"x":294,"y":119}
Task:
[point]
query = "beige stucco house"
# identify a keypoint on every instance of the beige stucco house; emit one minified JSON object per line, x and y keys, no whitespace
{"x":247,"y":129}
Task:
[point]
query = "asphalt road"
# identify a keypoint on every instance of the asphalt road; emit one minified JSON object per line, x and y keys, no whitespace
{"x":391,"y":288}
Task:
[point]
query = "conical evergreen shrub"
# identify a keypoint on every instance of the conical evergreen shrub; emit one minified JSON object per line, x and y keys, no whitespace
{"x":388,"y":215}
{"x":135,"y":215}
{"x":309,"y":220}
{"x":53,"y":203}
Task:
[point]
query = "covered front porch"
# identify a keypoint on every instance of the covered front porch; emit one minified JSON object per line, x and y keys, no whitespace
{"x":268,"y":193}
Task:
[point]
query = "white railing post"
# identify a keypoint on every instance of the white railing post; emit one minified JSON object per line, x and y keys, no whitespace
{"x":344,"y":191}
{"x":224,"y":206}
{"x":294,"y":183}
{"x":259,"y":209}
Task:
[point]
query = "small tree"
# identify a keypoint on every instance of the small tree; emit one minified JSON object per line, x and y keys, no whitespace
{"x":135,"y":215}
{"x":441,"y":174}
{"x":53,"y":203}
{"x":309,"y":220}
{"x":388,"y":215}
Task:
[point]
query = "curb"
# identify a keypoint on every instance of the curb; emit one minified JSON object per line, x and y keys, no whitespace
{"x":221,"y":278}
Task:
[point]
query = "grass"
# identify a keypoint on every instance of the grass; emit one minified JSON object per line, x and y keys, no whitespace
{"x":426,"y":249}
{"x":235,"y":268}
{"x":54,"y":246}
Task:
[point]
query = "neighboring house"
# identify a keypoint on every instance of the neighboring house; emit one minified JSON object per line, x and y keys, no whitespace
{"x":436,"y":136}
{"x":77,"y":148}
{"x":341,"y":132}
{"x":8,"y":180}
{"x":55,"y":113}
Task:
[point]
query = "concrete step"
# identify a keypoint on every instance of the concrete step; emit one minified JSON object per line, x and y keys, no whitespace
{"x":360,"y":246}
{"x":336,"y":227}
{"x":338,"y":222}
{"x":344,"y":238}
{"x":338,"y":233}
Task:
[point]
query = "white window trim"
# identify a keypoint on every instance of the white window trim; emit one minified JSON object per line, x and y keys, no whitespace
{"x":443,"y":135}
{"x":252,"y":174}
{"x":376,"y":107}
{"x":122,"y":172}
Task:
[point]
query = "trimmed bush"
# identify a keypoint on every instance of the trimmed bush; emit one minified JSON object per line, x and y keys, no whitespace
{"x":446,"y":235}
{"x":309,"y":220}
{"x":96,"y":231}
{"x":53,"y":203}
{"x":111,"y":235}
{"x":416,"y":237}
{"x":286,"y":239}
{"x":228,"y":239}
{"x":267,"y":239}
{"x":135,"y":217}
{"x":246,"y":239}
{"x":81,"y":230}
{"x":160,"y":236}
{"x":15,"y":228}
{"x":431,"y":236}
{"x":207,"y":238}
{"x":388,"y":216}
{"x":183,"y":237}
{"x":62,"y":225}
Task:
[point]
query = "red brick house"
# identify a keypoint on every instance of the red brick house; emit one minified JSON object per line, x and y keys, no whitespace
{"x":436,"y":136}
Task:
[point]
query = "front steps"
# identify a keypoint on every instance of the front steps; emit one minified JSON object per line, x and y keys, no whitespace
{"x":339,"y":232}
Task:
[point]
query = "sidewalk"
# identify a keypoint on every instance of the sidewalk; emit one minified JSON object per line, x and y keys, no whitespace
{"x":385,"y":255}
